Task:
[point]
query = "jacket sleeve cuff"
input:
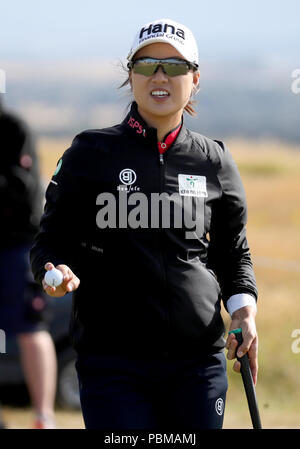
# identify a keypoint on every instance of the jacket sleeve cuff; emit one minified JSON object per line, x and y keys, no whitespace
{"x":240,"y":300}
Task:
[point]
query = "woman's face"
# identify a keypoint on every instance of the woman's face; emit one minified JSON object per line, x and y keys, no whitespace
{"x":179,"y":87}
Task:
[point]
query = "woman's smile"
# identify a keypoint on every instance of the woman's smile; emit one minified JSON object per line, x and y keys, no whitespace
{"x":160,"y":94}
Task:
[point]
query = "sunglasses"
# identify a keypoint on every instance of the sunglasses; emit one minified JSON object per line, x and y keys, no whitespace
{"x":170,"y":66}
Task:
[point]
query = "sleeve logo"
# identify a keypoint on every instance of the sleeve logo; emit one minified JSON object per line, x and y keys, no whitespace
{"x":58,"y":167}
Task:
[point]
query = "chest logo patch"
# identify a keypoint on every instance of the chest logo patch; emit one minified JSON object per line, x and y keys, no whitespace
{"x":192,"y":185}
{"x":127,"y":176}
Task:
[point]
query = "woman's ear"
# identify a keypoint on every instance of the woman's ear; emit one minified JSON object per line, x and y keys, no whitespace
{"x":196,"y":77}
{"x":130,"y":79}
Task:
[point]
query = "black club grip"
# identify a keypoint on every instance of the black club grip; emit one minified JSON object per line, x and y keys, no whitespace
{"x":248,"y":382}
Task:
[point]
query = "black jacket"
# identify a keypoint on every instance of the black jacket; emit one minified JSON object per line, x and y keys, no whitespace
{"x":146,"y":290}
{"x":21,"y":190}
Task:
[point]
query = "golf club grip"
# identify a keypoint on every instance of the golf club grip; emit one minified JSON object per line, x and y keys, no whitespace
{"x":249,"y":385}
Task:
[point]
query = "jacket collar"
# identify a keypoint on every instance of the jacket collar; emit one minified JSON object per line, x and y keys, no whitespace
{"x":138,"y":128}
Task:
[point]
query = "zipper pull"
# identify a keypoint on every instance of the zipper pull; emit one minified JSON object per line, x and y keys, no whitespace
{"x":161,"y":159}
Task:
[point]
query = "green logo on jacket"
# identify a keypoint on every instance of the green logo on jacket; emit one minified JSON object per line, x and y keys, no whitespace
{"x":58,"y":167}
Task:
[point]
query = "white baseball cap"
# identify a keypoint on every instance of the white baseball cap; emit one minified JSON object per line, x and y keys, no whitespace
{"x":170,"y":32}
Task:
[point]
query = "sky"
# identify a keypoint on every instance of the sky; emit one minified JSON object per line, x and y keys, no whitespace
{"x":95,"y":29}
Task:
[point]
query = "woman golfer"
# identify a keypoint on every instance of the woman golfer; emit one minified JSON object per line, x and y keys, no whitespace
{"x":146,"y":221}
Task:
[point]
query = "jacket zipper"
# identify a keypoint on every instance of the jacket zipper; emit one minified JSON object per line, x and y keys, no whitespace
{"x":160,"y":239}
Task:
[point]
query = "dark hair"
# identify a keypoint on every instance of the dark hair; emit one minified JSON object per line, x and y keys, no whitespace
{"x":189,"y":108}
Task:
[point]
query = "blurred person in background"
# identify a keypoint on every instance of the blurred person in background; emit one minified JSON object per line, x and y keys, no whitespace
{"x":24,"y":308}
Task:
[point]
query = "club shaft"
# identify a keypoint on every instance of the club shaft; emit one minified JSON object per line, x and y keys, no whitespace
{"x":250,"y":391}
{"x":249,"y":386}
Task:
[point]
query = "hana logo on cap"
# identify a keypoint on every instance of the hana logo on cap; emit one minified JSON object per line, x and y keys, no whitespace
{"x":170,"y":32}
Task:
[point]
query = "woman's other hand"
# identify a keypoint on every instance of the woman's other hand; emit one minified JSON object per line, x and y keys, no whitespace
{"x":244,"y":318}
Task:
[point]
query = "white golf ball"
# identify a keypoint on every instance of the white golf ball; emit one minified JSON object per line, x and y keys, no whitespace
{"x":53,"y":277}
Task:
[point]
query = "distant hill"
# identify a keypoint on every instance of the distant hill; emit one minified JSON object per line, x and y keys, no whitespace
{"x":250,"y":99}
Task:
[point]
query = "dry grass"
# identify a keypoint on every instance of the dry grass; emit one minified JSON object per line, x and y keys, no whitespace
{"x":50,"y":150}
{"x":23,"y":418}
{"x":271,"y":176}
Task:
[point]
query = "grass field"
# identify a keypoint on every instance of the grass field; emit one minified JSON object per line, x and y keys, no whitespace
{"x":271,"y":176}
